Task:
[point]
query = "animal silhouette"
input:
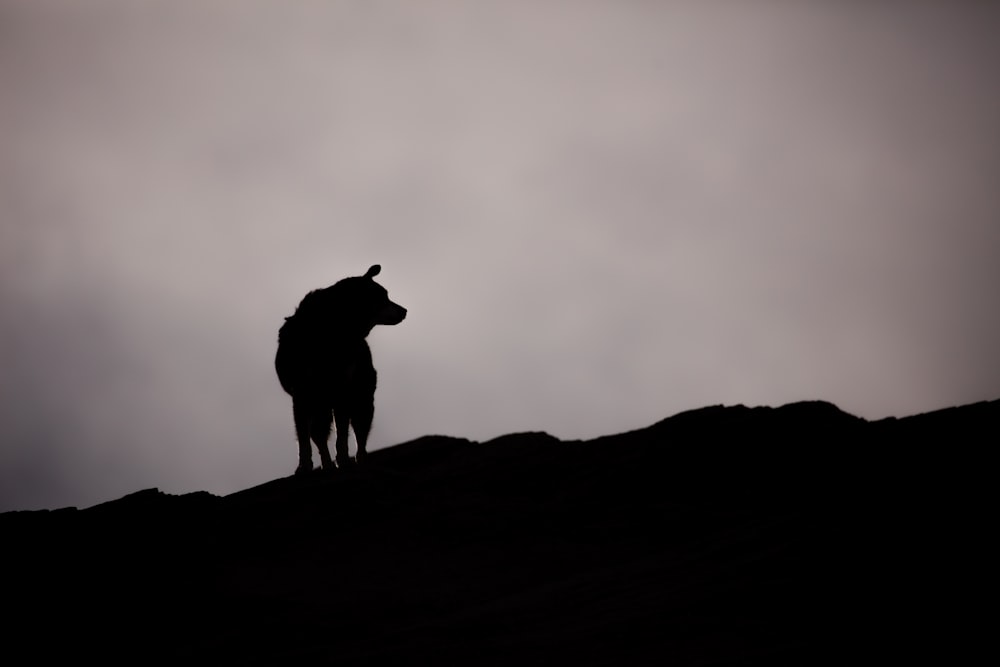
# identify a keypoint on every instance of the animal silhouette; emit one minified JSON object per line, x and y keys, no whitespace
{"x":325,"y":364}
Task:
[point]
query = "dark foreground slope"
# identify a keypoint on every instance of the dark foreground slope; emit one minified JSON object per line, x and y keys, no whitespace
{"x":727,"y":535}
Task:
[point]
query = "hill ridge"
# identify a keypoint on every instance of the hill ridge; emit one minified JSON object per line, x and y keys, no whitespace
{"x":799,"y":534}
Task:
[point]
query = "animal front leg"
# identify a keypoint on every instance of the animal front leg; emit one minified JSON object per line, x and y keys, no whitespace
{"x":343,"y":420}
{"x":322,"y":422}
{"x":362,"y":422}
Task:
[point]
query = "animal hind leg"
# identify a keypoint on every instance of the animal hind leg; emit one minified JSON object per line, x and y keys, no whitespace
{"x":300,"y":412}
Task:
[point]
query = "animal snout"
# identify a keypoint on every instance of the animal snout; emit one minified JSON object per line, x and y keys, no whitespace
{"x":393,"y":314}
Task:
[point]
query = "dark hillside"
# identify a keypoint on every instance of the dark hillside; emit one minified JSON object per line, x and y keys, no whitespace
{"x":726,"y":535}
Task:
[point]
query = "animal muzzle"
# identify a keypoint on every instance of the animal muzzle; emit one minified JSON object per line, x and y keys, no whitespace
{"x":393,"y":313}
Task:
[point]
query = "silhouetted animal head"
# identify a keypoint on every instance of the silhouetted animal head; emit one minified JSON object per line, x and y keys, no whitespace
{"x":351,"y":307}
{"x":371,"y":298}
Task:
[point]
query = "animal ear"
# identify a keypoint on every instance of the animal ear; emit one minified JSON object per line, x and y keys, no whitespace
{"x":373,"y":271}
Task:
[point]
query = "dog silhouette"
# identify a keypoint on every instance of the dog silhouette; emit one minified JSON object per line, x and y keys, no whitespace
{"x":325,"y":364}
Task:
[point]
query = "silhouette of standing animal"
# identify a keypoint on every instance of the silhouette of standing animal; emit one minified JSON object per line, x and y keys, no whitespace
{"x":325,"y":364}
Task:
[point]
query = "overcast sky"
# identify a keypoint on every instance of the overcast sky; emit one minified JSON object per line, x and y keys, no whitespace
{"x":598,"y":214}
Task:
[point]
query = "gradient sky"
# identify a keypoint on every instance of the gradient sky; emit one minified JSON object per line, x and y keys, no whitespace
{"x":598,"y":213}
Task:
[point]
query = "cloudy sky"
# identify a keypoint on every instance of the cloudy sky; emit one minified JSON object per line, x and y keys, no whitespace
{"x":598,"y":213}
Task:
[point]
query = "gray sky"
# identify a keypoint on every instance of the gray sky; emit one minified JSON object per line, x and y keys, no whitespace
{"x":597,"y":213}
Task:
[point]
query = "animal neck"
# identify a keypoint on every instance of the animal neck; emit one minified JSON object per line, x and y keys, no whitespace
{"x":338,"y":332}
